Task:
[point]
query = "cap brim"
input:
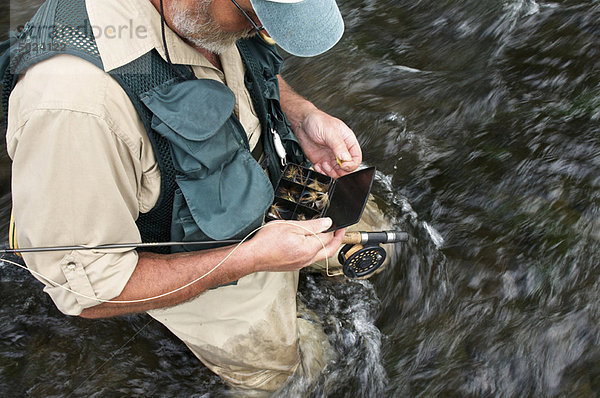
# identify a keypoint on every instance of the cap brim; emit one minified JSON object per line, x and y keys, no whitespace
{"x":305,"y":29}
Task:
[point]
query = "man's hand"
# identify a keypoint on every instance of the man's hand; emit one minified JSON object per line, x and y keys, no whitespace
{"x":328,"y":142}
{"x":279,"y":246}
{"x":291,"y":245}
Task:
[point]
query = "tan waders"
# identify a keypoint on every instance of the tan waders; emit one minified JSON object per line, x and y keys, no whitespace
{"x":252,"y":334}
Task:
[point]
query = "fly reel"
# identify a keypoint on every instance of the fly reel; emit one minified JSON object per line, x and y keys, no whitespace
{"x":362,"y":255}
{"x":359,"y":261}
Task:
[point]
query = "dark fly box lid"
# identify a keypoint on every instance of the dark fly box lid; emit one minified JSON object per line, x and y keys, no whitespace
{"x":304,"y":194}
{"x":348,"y":196}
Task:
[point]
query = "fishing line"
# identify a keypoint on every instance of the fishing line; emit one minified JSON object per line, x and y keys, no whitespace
{"x":233,"y":250}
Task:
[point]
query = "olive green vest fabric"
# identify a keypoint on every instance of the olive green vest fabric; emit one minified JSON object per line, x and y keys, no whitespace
{"x":211,"y":187}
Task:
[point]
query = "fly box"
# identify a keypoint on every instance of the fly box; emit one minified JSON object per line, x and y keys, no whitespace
{"x":304,"y":194}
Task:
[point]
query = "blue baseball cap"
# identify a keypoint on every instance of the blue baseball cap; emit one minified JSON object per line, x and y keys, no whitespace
{"x":301,"y":27}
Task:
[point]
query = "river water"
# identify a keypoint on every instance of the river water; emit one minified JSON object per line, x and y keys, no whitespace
{"x":482,"y":118}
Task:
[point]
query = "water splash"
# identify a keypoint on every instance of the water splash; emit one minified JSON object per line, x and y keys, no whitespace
{"x":347,"y":309}
{"x":436,"y":237}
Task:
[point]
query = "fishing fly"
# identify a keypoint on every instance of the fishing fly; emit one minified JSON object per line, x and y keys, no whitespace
{"x":278,"y":212}
{"x":318,"y":200}
{"x":294,"y":173}
{"x":318,"y":186}
{"x":289,"y":193}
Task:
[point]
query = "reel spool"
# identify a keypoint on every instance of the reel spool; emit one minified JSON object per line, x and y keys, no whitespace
{"x":362,"y":255}
{"x":359,"y":261}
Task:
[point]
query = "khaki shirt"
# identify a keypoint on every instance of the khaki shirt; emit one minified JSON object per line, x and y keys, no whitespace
{"x":83,"y":166}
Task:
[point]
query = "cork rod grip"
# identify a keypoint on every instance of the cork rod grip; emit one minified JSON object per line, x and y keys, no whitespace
{"x":362,"y":238}
{"x":352,"y":238}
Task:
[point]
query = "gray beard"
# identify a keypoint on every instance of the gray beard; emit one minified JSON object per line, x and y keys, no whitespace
{"x":197,"y":26}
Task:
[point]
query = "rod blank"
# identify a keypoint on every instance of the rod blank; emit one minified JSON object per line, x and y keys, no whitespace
{"x":349,"y":238}
{"x":115,"y":246}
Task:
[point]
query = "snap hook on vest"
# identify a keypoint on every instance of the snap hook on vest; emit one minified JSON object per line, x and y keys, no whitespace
{"x":279,"y":148}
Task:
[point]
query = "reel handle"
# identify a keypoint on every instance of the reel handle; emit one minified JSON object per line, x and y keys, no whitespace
{"x":369,"y":238}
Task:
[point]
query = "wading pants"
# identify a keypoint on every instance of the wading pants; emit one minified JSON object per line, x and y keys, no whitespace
{"x":249,"y":333}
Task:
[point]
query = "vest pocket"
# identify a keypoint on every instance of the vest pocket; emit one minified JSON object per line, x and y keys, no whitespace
{"x":183,"y":225}
{"x":221,"y":187}
{"x":229,"y":201}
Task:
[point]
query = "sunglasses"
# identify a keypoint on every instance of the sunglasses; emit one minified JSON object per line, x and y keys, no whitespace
{"x":256,"y":27}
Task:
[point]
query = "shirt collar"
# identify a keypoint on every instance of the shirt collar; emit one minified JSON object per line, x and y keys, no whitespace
{"x":127,"y":29}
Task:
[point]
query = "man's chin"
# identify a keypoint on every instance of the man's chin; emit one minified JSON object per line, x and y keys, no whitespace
{"x":222,"y":44}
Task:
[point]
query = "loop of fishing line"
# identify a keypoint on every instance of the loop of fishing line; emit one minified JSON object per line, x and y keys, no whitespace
{"x":233,"y":250}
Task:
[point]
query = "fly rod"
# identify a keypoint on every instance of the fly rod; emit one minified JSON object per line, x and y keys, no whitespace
{"x":350,"y":238}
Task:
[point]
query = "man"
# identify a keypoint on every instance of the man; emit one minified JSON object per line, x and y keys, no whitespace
{"x":86,"y":167}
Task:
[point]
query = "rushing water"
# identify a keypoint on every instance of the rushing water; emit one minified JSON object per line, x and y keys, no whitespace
{"x":482,"y":118}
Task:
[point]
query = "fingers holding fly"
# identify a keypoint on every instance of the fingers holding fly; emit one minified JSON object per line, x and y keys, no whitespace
{"x":346,"y":149}
{"x":343,"y":155}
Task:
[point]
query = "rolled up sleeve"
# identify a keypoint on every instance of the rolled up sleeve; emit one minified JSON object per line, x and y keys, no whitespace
{"x":75,"y":182}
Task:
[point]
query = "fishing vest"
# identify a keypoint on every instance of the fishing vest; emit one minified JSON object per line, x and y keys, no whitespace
{"x":211,"y":186}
